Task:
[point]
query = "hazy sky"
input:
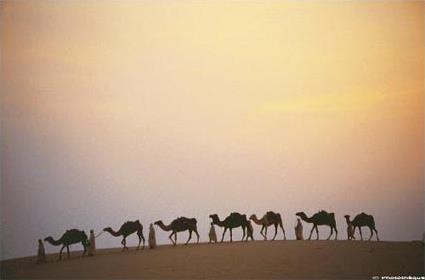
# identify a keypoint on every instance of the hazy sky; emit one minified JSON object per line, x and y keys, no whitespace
{"x":150,"y":110}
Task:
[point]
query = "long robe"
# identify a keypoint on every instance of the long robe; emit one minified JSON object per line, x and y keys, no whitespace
{"x":41,"y":254}
{"x":152,"y":237}
{"x":92,"y":244}
{"x":299,"y":230}
{"x":212,"y":234}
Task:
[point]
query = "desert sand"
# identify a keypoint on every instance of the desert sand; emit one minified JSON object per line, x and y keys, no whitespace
{"x":259,"y":259}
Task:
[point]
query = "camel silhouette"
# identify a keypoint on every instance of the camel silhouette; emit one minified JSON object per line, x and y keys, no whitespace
{"x":179,"y":225}
{"x":270,"y":218}
{"x":127,"y":229}
{"x":232,"y":221}
{"x":320,"y":218}
{"x":70,"y":237}
{"x":363,"y":220}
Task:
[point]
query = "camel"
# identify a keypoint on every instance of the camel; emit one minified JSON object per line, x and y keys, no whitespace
{"x":179,"y":225}
{"x":320,"y":218}
{"x":362,"y":220}
{"x":127,"y":229}
{"x":350,"y":228}
{"x":70,"y":237}
{"x":234,"y":220}
{"x":270,"y":218}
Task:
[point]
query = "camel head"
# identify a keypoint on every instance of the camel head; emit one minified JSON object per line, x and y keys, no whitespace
{"x":301,"y":214}
{"x":213,"y":216}
{"x":49,"y":238}
{"x":107,"y":229}
{"x":252,"y":217}
{"x":347,"y":216}
{"x":158,"y":223}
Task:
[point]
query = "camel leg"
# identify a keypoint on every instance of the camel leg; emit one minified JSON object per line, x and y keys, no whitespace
{"x":261,"y":232}
{"x":317,"y":232}
{"x":336,"y":233}
{"x":311,"y":232}
{"x":190,"y":236}
{"x":170,"y":237}
{"x":140,"y":240}
{"x":283,"y":230}
{"x":265,"y":233}
{"x":231,"y":235}
{"x":361,"y":235}
{"x":175,"y":238}
{"x":371,"y":234}
{"x":330,"y":234}
{"x":60,"y":252}
{"x":85,"y":249}
{"x":224,"y":232}
{"x":376,"y":232}
{"x":125,"y":244}
{"x":143,"y":239}
{"x":197,"y":235}
{"x":67,"y":251}
{"x":243,"y":235}
{"x":275,"y":232}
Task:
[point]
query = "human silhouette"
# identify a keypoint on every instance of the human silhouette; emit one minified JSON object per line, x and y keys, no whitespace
{"x":41,"y":254}
{"x":92,"y":244}
{"x":299,"y":230}
{"x":249,"y":231}
{"x":212,"y":234}
{"x":152,"y":237}
{"x":350,"y":228}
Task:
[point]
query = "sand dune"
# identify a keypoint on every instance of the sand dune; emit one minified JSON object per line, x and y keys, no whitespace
{"x":278,"y":259}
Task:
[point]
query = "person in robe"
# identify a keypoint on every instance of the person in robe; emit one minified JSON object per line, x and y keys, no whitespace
{"x":212,"y":234}
{"x":152,"y":237}
{"x":41,"y":255}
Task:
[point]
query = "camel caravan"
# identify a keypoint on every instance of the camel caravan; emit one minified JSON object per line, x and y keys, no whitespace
{"x":233,"y":221}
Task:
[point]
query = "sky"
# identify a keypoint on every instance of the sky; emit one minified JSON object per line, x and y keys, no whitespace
{"x":123,"y":110}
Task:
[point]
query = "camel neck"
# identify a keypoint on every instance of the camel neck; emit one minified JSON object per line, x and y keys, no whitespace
{"x":164,"y":227}
{"x":112,"y":232}
{"x":256,"y":220}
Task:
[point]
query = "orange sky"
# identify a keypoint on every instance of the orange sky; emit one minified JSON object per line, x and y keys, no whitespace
{"x":154,"y":109}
